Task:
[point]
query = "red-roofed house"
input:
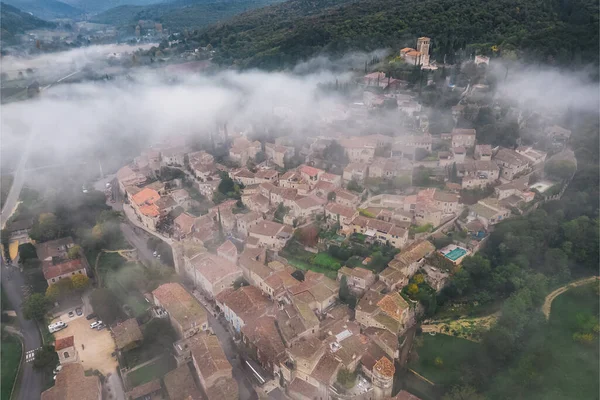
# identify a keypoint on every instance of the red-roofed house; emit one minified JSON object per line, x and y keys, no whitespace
{"x":55,"y":272}
{"x":212,"y":273}
{"x":65,"y":347}
{"x":228,"y":251}
{"x":243,"y":305}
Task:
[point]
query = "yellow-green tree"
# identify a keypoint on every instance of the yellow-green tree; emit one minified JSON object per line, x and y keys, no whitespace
{"x":80,"y":282}
{"x":74,"y":252}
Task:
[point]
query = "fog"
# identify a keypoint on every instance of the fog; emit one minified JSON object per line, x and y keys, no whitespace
{"x":74,"y":120}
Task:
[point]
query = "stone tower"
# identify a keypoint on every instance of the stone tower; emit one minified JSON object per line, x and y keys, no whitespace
{"x":423,"y":48}
{"x":383,"y":378}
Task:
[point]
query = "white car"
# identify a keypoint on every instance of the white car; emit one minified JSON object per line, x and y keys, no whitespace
{"x":95,"y":324}
{"x":57,"y":369}
{"x":57,"y":326}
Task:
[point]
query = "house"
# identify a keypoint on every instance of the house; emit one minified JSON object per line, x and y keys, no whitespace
{"x":62,"y":270}
{"x":308,"y":207}
{"x":510,"y":163}
{"x":127,"y":334}
{"x":262,"y":337}
{"x":54,"y":249}
{"x":165,"y":205}
{"x":257,"y":203}
{"x":483,"y":152}
{"x":173,"y":156}
{"x":294,"y":180}
{"x":413,"y":142}
{"x":144,"y":206}
{"x":316,"y":291}
{"x":335,"y":180}
{"x":389,"y":168}
{"x":358,"y":149}
{"x":211,"y":273}
{"x":426,"y":213}
{"x":536,"y":157}
{"x":446,"y":202}
{"x":246,"y":221}
{"x":20,"y":229}
{"x":279,"y":154}
{"x":380,"y":231}
{"x":357,"y":171}
{"x":310,"y":175}
{"x":463,"y":138}
{"x":266,"y":175}
{"x":271,"y":234}
{"x":477,"y":173}
{"x":130,"y":176}
{"x":382,"y":377}
{"x":242,"y":305}
{"x":243,"y":150}
{"x":183,"y":226}
{"x":209,"y":360}
{"x":65,"y":348}
{"x":405,"y":264}
{"x":346,"y":198}
{"x":459,"y":154}
{"x":435,"y":277}
{"x":342,"y":214}
{"x":384,"y":311}
{"x":181,"y":197}
{"x":358,"y":279}
{"x":144,"y":391}
{"x":73,"y":384}
{"x":187,"y":316}
{"x":228,"y":251}
{"x":489,"y":212}
{"x":243,"y":176}
{"x":181,"y":385}
{"x":515,"y":187}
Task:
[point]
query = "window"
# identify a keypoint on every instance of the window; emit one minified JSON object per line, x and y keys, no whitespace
{"x":53,"y":280}
{"x":66,"y":354}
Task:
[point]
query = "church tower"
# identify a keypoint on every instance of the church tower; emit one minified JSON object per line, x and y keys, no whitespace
{"x":423,"y":48}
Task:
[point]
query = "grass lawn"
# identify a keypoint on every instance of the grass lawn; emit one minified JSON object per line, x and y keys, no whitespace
{"x":574,"y":369}
{"x":109,"y":262}
{"x":452,"y":351}
{"x":11,"y":357}
{"x":306,"y":266}
{"x":145,"y":374}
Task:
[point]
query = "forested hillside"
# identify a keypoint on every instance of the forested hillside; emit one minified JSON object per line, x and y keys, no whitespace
{"x":46,"y":9}
{"x":554,"y":31}
{"x":182,"y":14}
{"x":14,"y":21}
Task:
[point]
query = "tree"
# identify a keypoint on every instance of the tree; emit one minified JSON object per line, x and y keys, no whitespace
{"x":74,"y":252}
{"x":27,"y":252}
{"x":35,"y":307}
{"x":52,"y":293}
{"x":561,"y":169}
{"x":345,"y":296}
{"x":47,"y":227}
{"x":346,"y":378}
{"x":105,"y":305}
{"x":463,"y":393}
{"x":45,"y":358}
{"x":412,"y":289}
{"x":80,"y":282}
{"x":354,"y":186}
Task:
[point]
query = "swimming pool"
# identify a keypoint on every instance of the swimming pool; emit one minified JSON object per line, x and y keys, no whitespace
{"x":455,"y":254}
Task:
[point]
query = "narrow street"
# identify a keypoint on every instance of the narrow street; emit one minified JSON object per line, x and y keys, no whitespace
{"x":30,"y":381}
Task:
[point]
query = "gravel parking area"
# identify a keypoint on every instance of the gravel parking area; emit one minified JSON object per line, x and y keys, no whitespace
{"x":98,"y":346}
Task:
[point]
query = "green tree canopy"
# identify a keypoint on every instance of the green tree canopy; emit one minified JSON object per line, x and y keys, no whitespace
{"x":35,"y":307}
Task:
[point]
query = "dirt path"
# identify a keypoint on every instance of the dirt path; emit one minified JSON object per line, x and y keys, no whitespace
{"x":546,"y":308}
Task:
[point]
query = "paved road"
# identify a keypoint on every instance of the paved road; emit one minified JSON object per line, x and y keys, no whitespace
{"x":31,"y":380}
{"x":139,"y":240}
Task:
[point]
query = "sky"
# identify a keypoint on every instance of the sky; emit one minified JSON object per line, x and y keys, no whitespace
{"x":80,"y":118}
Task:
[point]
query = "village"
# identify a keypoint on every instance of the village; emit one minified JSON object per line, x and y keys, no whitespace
{"x":312,"y":256}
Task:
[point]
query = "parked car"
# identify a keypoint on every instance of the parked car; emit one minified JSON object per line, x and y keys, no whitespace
{"x":95,"y":324}
{"x":155,"y":254}
{"x":91,"y":316}
{"x":57,"y":326}
{"x":79,"y":311}
{"x":57,"y":369}
{"x":100,"y":327}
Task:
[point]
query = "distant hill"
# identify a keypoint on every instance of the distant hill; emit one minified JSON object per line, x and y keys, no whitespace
{"x":46,"y":9}
{"x":95,"y":6}
{"x":181,"y":14}
{"x":559,"y":31}
{"x":14,"y":21}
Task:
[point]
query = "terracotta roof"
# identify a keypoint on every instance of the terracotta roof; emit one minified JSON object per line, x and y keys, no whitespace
{"x":53,"y":248}
{"x":384,"y":367}
{"x":329,"y":177}
{"x":144,"y":196}
{"x":445,"y":196}
{"x":185,"y":222}
{"x":264,"y":335}
{"x":326,"y":369}
{"x":404,"y":395}
{"x":227,"y":249}
{"x":52,"y":271}
{"x":72,"y":384}
{"x":344,"y":211}
{"x":246,"y":302}
{"x":209,"y":355}
{"x":143,"y":390}
{"x":393,"y":304}
{"x":483,"y":149}
{"x":358,"y":272}
{"x":180,"y":304}
{"x":63,"y":343}
{"x":266,"y":174}
{"x":413,"y":253}
{"x":180,"y":384}
{"x":127,"y":332}
{"x":223,"y":389}
{"x":214,"y":268}
{"x":305,"y":347}
{"x":266,"y":228}
{"x":310,"y":202}
{"x":310,"y":171}
{"x":346,"y":195}
{"x":303,"y":388}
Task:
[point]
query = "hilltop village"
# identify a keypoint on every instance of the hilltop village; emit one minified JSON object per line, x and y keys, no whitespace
{"x":304,"y":258}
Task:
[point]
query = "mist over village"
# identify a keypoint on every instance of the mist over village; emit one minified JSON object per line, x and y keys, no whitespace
{"x":198,"y":203}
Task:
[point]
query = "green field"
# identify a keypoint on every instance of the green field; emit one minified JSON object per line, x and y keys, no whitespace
{"x":451,"y":350}
{"x":145,"y":374}
{"x":573,"y":371}
{"x":11,"y":357}
{"x":306,"y":266}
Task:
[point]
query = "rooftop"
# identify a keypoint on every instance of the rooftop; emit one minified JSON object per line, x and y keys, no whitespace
{"x":246,"y":302}
{"x":145,"y":196}
{"x":213,"y":267}
{"x":144,"y":389}
{"x":180,"y":384}
{"x":180,"y":304}
{"x":384,"y":367}
{"x":53,"y":248}
{"x":209,"y":355}
{"x":267,"y":228}
{"x":63,"y":343}
{"x":127,"y":332}
{"x":72,"y":384}
{"x":52,"y":271}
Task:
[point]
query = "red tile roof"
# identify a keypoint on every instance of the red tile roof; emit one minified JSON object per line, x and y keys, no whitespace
{"x":63,"y":343}
{"x":52,"y":271}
